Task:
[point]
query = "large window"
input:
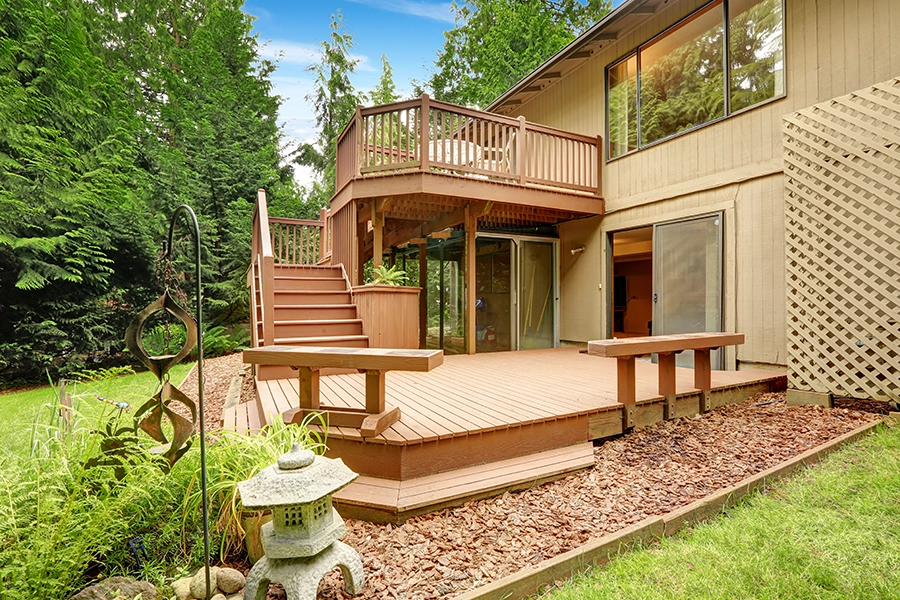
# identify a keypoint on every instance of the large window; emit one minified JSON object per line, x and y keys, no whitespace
{"x":724,"y":58}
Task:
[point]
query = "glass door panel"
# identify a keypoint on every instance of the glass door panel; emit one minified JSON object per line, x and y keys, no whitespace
{"x":537,"y":295}
{"x":446,"y":297}
{"x":687,"y":280}
{"x":493,"y":295}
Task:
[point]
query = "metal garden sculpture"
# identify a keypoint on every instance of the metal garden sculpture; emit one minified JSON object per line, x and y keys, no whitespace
{"x":150,"y":416}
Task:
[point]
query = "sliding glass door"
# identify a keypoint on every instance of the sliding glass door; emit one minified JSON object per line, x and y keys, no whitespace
{"x":516,"y":293}
{"x":687,"y":280}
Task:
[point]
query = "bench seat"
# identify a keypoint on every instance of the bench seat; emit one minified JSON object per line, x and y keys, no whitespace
{"x":375,"y":362}
{"x":666,"y":347}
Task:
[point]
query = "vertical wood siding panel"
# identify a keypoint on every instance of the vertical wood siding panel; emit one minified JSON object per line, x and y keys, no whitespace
{"x":830,"y":45}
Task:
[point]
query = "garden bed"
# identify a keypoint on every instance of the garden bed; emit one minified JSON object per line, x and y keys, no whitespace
{"x":648,"y":472}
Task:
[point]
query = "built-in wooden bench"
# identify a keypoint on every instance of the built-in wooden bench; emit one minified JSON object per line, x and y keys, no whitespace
{"x":375,"y":362}
{"x":666,"y":347}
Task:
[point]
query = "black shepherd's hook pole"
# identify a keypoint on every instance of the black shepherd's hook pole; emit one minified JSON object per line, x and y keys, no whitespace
{"x":167,"y":254}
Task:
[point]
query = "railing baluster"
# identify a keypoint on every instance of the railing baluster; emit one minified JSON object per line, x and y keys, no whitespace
{"x":457,"y":140}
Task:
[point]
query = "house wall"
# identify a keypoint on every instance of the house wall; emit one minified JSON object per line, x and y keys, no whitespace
{"x":832,"y":47}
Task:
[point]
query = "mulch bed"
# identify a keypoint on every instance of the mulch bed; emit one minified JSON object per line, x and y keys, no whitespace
{"x":648,"y":472}
{"x":644,"y":473}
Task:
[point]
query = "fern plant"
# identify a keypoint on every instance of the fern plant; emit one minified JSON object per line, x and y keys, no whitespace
{"x":389,"y":275}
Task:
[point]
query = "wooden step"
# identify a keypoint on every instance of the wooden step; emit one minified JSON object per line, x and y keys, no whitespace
{"x":341,"y":341}
{"x":297,"y":298}
{"x":315,"y":311}
{"x":317,"y":328}
{"x":387,"y":500}
{"x":308,"y":271}
{"x":310,"y":283}
{"x":242,"y":418}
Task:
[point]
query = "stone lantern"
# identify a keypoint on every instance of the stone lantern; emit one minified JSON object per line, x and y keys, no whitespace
{"x":300,"y":543}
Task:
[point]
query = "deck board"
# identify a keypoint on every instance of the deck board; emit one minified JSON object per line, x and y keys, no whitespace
{"x":374,"y":498}
{"x":483,"y":424}
{"x":490,"y":392}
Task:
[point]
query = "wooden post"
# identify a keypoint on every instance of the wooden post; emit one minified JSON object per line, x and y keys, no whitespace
{"x":666,"y":368}
{"x":703,"y":377}
{"x":423,"y":295}
{"x":309,"y":388}
{"x":626,"y":392}
{"x":471,"y":229}
{"x":359,"y":276}
{"x":520,"y":151}
{"x":424,"y":128}
{"x":599,"y":191}
{"x":374,"y":391}
{"x":378,"y":244}
{"x":360,"y":153}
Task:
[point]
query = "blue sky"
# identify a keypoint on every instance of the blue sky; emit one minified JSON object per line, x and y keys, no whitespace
{"x":409,"y":32}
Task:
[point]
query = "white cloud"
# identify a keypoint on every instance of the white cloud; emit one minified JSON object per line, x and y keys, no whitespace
{"x":287,"y":52}
{"x":420,"y":8}
{"x":257,"y":11}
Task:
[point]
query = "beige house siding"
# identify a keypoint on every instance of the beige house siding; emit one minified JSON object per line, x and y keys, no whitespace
{"x":734,"y":165}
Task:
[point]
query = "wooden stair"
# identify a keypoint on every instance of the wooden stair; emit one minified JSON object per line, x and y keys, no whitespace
{"x":394,"y":501}
{"x":313,"y":307}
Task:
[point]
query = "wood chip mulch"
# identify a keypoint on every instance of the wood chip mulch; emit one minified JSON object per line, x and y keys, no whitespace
{"x":644,"y":473}
{"x":217,"y":375}
{"x":648,"y":472}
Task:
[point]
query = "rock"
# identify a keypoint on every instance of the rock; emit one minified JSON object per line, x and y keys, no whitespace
{"x":238,"y":596}
{"x":230,"y":580}
{"x":118,"y":588}
{"x":198,"y":583}
{"x":218,"y":597}
{"x":182,"y":588}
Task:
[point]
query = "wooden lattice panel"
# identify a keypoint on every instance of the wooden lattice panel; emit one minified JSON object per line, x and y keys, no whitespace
{"x":842,"y":222}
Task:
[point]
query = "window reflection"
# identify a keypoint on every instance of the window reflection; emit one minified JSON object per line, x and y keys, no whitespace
{"x":680,"y":79}
{"x":756,"y":50}
{"x":623,"y":107}
{"x":682,"y":76}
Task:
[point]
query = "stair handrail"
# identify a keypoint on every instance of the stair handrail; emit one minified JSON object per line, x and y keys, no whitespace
{"x":263,"y":266}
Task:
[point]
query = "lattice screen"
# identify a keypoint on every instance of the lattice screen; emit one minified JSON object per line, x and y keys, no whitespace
{"x":842,"y":220}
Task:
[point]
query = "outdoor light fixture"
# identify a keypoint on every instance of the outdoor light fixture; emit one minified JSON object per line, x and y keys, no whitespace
{"x":577,"y":250}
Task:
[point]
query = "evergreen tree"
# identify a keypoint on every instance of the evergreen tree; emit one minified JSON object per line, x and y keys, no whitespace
{"x":497,"y":42}
{"x":66,"y":209}
{"x":335,"y":100}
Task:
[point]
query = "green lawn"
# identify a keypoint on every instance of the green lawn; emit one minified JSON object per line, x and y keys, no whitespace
{"x":833,"y":531}
{"x":20,"y":410}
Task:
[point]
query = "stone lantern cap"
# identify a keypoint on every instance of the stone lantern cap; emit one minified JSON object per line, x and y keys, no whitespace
{"x":299,"y":477}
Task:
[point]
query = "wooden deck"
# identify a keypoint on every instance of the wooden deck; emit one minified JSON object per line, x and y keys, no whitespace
{"x":475,"y":411}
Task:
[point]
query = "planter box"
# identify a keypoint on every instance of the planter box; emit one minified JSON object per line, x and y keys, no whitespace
{"x":390,"y":315}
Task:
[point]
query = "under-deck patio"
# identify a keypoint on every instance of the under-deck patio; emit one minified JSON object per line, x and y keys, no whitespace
{"x":482,"y":424}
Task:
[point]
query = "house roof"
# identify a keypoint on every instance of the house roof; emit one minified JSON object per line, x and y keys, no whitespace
{"x":610,"y":28}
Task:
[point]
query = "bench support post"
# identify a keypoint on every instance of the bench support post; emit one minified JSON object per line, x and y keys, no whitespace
{"x":625,"y":388}
{"x":703,"y":377}
{"x":666,"y":369}
{"x":309,"y":388}
{"x":374,"y":391}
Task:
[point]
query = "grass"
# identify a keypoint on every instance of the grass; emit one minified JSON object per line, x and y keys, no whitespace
{"x":19,"y":411}
{"x":833,"y":531}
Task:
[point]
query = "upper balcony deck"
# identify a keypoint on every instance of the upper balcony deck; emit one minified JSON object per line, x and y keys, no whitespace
{"x":425,"y":146}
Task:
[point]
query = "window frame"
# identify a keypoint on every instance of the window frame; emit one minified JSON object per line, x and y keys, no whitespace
{"x":726,"y":79}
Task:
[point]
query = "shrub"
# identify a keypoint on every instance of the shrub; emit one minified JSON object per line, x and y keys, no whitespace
{"x":62,"y":522}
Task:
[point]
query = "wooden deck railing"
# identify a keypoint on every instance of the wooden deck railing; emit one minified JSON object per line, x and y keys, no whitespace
{"x":431,"y":136}
{"x":261,"y":276}
{"x":298,"y":241}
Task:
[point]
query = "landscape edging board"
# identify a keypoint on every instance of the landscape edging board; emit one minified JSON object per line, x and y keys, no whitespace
{"x":530,"y":580}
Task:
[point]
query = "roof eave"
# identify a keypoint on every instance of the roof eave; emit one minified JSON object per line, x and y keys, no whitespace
{"x":575,"y":45}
